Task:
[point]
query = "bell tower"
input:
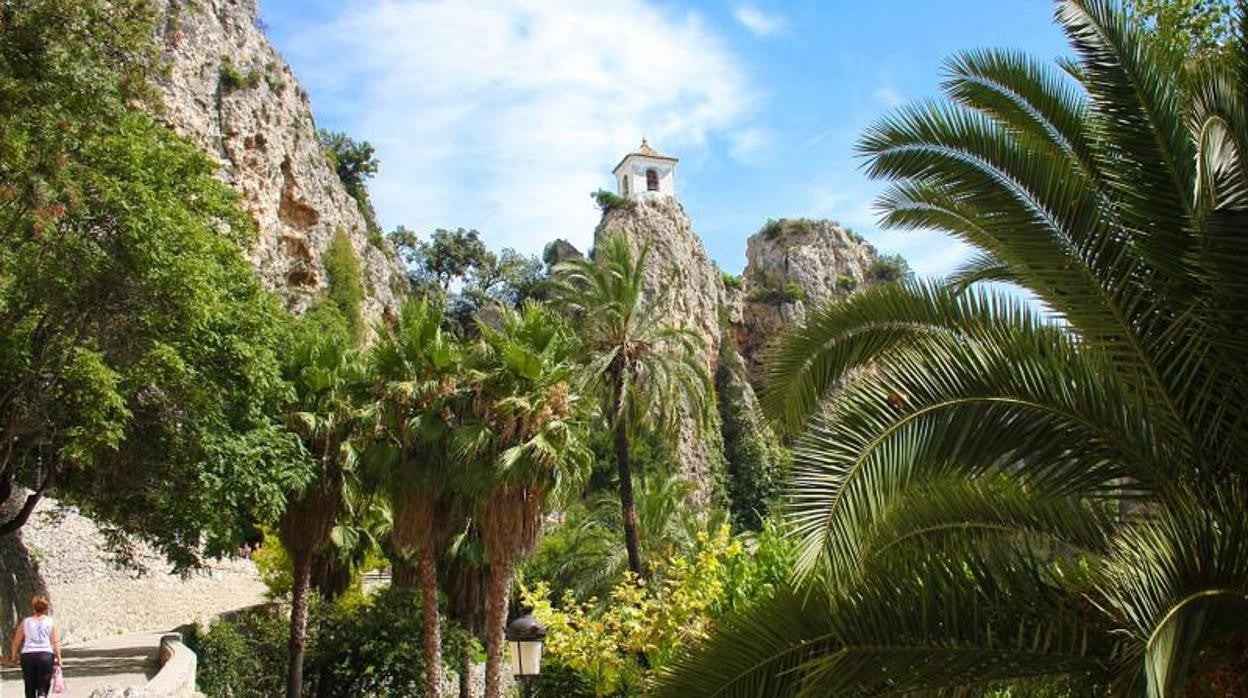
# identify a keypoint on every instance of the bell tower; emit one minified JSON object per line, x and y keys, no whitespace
{"x":646,"y":173}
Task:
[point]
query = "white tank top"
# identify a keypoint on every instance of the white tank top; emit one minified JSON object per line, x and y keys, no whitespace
{"x":37,"y":634}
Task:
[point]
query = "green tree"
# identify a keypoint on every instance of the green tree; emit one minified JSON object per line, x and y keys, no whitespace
{"x":582,"y":555}
{"x":419,"y":369}
{"x":644,"y":373}
{"x":525,"y":443}
{"x":346,"y":289}
{"x":510,"y":278}
{"x":138,"y":364}
{"x":324,"y":414}
{"x":448,"y":256}
{"x":1018,"y":494}
{"x":1186,"y":27}
{"x":353,"y":161}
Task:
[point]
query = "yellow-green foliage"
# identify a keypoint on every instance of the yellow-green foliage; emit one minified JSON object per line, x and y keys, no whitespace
{"x":274,"y":565}
{"x":346,"y":289}
{"x":658,"y":619}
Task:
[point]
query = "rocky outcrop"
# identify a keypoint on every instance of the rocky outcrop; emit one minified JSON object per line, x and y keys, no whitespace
{"x":226,"y":89}
{"x":793,"y":265}
{"x":687,"y":288}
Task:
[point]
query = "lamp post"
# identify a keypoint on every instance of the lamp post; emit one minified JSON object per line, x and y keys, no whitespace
{"x":526,"y":636}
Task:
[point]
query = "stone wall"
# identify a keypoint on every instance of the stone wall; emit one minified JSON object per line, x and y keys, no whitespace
{"x":92,"y":596}
{"x":176,"y":678}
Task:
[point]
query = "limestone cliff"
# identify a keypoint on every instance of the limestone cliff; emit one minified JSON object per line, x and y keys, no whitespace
{"x":688,"y":289}
{"x":226,"y":89}
{"x":793,"y":265}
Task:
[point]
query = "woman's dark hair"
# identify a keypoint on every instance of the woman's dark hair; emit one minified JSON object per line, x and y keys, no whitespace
{"x":40,"y":604}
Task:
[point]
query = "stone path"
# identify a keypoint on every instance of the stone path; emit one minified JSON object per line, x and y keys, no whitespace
{"x":120,"y":660}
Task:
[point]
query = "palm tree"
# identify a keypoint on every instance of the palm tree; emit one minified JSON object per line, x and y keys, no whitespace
{"x":416,"y":366}
{"x":645,"y":373}
{"x":326,"y":377}
{"x":467,"y":584}
{"x":1017,"y":491}
{"x":667,"y":528}
{"x":526,"y":440}
{"x":363,"y":522}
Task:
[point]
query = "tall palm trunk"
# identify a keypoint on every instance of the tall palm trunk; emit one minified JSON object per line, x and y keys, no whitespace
{"x":433,"y":635}
{"x":628,"y":506}
{"x":298,"y":622}
{"x":465,"y":671}
{"x":495,"y":618}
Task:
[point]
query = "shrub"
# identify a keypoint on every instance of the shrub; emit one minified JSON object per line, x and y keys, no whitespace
{"x":346,"y":290}
{"x":274,"y":565}
{"x":845,"y":282}
{"x":889,"y":268}
{"x":243,"y":655}
{"x":731,"y":281}
{"x":273,"y":76}
{"x":755,"y":459}
{"x":560,"y":681}
{"x":372,"y":647}
{"x":602,"y":643}
{"x":232,"y":79}
{"x":357,"y":647}
{"x":377,"y":239}
{"x":610,"y":201}
{"x":354,"y":162}
{"x":783,"y":228}
{"x":793,"y":292}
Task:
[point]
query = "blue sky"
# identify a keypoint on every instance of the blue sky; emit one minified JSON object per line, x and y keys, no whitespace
{"x":503,"y":116}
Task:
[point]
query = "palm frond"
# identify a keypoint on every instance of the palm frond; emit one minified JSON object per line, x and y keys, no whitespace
{"x":1177,"y":582}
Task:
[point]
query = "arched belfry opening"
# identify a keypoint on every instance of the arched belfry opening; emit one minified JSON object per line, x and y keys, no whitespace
{"x":646,"y":164}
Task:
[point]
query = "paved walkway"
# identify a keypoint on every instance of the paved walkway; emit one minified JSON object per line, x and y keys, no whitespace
{"x":120,"y":660}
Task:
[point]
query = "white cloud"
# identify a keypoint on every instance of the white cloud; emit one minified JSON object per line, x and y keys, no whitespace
{"x":887,"y":96}
{"x":758,"y":22}
{"x":504,"y":116}
{"x":749,"y":144}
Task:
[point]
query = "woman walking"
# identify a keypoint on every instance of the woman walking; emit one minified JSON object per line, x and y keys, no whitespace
{"x":39,"y":643}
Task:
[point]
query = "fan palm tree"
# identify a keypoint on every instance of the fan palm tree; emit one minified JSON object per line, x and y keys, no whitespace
{"x":645,"y":373}
{"x":327,"y":379}
{"x":417,"y":369}
{"x":1014,"y":491}
{"x":467,"y":583}
{"x":364,"y":522}
{"x":527,"y":441}
{"x":667,"y":528}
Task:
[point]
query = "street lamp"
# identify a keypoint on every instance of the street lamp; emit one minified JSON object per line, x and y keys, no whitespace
{"x":525,"y":637}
